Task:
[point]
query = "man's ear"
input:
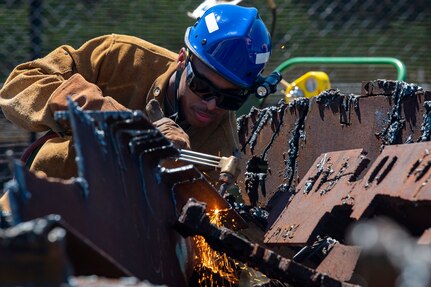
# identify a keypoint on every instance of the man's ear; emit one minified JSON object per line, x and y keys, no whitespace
{"x":182,"y":57}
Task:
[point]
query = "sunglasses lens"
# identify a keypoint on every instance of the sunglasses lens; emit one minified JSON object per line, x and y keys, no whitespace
{"x":199,"y":86}
{"x":227,"y":100}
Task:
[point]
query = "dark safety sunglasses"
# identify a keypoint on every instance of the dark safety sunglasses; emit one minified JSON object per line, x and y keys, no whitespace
{"x":203,"y":88}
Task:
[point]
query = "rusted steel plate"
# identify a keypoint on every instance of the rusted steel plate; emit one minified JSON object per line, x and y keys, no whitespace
{"x":325,"y":130}
{"x":387,"y":113}
{"x":400,"y":178}
{"x":341,"y":189}
{"x":340,"y":262}
{"x":316,"y":197}
{"x":393,"y":115}
{"x":265,"y":137}
{"x":118,"y":202}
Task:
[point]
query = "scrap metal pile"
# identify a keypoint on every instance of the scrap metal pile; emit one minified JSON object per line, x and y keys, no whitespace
{"x":335,"y":191}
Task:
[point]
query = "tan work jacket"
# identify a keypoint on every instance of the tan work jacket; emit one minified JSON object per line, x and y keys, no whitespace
{"x":128,"y":72}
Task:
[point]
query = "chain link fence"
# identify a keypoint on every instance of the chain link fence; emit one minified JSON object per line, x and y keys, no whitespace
{"x":300,"y":28}
{"x":327,"y":28}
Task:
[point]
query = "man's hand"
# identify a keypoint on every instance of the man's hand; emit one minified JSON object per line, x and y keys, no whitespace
{"x":166,"y":126}
{"x":87,"y":95}
{"x":173,"y":132}
{"x":154,"y":111}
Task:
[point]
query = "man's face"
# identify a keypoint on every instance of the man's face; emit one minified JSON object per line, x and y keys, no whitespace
{"x":197,"y":111}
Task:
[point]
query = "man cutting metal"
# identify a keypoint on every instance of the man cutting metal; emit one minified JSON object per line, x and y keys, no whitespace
{"x":191,"y":97}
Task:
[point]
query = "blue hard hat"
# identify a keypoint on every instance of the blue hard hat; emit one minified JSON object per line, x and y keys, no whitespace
{"x":233,"y":41}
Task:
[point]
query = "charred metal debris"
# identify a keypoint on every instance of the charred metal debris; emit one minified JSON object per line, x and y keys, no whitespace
{"x":404,"y":100}
{"x":391,"y":133}
{"x":364,"y":167}
{"x":426,"y":123}
{"x":315,"y":172}
{"x":256,"y":167}
{"x":194,"y":221}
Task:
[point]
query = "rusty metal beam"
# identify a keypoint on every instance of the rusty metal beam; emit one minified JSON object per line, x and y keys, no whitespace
{"x":195,"y":221}
{"x":125,"y":199}
{"x":117,"y":203}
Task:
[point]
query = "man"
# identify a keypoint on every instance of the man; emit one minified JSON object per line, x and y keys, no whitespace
{"x":198,"y":89}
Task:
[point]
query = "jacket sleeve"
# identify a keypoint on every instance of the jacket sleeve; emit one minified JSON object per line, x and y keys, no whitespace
{"x":36,"y":89}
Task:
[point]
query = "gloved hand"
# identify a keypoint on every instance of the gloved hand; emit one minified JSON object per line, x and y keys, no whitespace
{"x":86,"y":94}
{"x":154,"y":111}
{"x":166,"y":126}
{"x":173,"y":132}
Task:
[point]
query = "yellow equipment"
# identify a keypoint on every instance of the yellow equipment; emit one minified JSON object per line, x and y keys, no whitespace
{"x":308,"y":85}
